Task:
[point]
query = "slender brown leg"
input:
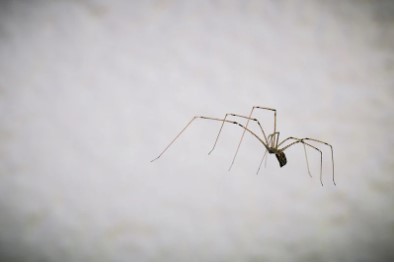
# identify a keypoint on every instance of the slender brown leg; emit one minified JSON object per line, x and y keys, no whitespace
{"x":177,"y":136}
{"x":305,"y":143}
{"x":246,"y":126}
{"x":332,"y":154}
{"x":287,"y":139}
{"x":248,"y":118}
{"x":261,"y":162}
{"x":321,"y":160}
{"x":307,"y":162}
{"x":208,"y":118}
{"x":273,"y":140}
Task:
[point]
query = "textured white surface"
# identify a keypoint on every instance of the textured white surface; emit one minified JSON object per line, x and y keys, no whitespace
{"x":91,"y":91}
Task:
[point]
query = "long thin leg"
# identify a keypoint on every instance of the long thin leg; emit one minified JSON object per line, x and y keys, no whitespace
{"x":322,"y":142}
{"x":306,"y":155}
{"x":332,"y":155}
{"x":246,"y":126}
{"x":273,"y":140}
{"x":305,"y":143}
{"x":321,"y":160}
{"x":188,"y":124}
{"x":261,"y":162}
{"x":307,"y":162}
{"x":287,"y":139}
{"x":270,"y":144}
{"x":242,"y":116}
{"x":209,"y":118}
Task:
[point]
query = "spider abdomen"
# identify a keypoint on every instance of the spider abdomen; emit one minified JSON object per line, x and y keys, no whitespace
{"x":280,"y":155}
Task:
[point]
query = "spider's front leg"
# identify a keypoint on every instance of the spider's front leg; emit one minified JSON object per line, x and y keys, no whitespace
{"x":246,"y":126}
{"x":208,"y":118}
{"x":241,"y":116}
{"x":273,"y":144}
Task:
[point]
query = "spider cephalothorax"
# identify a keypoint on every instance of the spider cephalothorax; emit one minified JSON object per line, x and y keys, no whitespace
{"x":280,"y":155}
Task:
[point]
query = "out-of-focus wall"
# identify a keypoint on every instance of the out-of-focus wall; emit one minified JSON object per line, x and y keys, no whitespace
{"x":91,"y":91}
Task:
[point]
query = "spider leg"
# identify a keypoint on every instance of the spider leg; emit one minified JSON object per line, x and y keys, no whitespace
{"x":305,"y":143}
{"x":287,"y":139}
{"x":273,"y":140}
{"x":322,"y":142}
{"x":332,"y":154}
{"x":208,"y":118}
{"x":306,"y":155}
{"x":307,"y":162}
{"x":271,"y":143}
{"x":261,"y":162}
{"x":321,"y":160}
{"x":246,"y":126}
{"x":245,"y":117}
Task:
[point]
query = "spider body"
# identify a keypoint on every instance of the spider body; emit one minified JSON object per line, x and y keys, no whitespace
{"x":280,"y":155}
{"x":270,"y":143}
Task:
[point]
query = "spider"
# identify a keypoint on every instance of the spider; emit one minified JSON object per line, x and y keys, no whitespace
{"x":271,"y":142}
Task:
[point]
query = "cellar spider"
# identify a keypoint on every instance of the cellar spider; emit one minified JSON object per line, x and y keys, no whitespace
{"x":271,"y":142}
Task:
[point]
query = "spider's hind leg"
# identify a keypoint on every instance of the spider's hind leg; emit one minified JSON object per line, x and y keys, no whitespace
{"x":298,"y":140}
{"x":332,"y":155}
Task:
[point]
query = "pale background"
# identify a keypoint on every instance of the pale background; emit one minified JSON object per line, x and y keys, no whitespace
{"x":91,"y":91}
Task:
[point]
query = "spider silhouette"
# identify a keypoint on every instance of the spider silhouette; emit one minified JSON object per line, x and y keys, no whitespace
{"x":271,"y":142}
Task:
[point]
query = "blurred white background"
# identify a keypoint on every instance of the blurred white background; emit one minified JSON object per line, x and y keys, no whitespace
{"x":91,"y":91}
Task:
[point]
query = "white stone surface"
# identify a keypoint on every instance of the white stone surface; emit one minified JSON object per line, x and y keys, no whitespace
{"x":91,"y":91}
